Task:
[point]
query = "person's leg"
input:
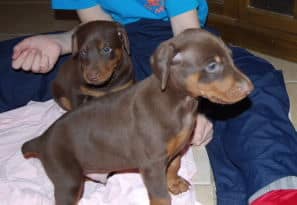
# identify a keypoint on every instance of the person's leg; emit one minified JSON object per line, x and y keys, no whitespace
{"x":230,"y":185}
{"x":17,"y":88}
{"x":261,"y":141}
{"x":145,"y":36}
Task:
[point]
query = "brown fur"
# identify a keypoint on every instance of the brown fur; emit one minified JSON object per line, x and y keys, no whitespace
{"x":92,"y":71}
{"x":143,"y":127}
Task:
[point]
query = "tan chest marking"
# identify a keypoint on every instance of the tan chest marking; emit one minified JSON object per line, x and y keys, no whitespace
{"x":180,"y":140}
{"x":95,"y":93}
{"x":90,"y":92}
{"x":122,"y":87}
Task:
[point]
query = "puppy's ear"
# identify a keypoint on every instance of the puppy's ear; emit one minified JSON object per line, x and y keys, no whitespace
{"x":123,"y":36}
{"x":224,"y":45}
{"x":74,"y":44}
{"x":161,"y":61}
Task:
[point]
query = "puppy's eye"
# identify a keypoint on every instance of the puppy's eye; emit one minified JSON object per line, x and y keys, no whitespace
{"x":83,"y":53}
{"x":106,"y":50}
{"x":212,"y":67}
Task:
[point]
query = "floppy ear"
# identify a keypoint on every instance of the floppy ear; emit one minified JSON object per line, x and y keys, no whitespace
{"x":161,"y":60}
{"x":123,"y":36}
{"x":74,"y":44}
{"x":223,"y":44}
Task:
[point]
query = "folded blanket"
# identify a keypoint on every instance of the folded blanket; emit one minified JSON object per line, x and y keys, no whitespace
{"x":24,"y":181}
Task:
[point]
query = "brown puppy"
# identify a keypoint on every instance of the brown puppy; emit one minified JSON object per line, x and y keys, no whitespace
{"x":144,"y":127}
{"x":100,"y":64}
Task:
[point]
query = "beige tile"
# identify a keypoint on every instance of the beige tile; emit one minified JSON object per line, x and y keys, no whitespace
{"x":203,"y":180}
{"x":205,"y":194}
{"x":31,"y":18}
{"x":289,"y":68}
{"x":203,"y":175}
{"x":291,"y":88}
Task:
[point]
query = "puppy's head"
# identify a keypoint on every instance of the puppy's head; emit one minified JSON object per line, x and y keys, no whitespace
{"x":99,"y":47}
{"x":200,"y":64}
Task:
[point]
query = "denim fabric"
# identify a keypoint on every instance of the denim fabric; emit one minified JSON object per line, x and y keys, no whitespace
{"x":18,"y":87}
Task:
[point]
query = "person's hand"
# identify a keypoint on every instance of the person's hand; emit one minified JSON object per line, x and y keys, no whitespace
{"x":203,"y":132}
{"x":37,"y":54}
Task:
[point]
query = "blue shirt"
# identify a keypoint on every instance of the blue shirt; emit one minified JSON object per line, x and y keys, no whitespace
{"x":128,"y":11}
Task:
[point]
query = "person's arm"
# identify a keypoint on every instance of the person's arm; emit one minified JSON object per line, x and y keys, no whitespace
{"x":40,"y":53}
{"x":184,"y":21}
{"x":93,"y":13}
{"x":84,"y":15}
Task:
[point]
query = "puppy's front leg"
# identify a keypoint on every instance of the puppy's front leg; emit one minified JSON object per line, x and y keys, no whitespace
{"x":59,"y":94}
{"x":176,"y":184}
{"x":154,"y":177}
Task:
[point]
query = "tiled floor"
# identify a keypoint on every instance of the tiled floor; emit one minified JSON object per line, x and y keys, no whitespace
{"x":23,"y":17}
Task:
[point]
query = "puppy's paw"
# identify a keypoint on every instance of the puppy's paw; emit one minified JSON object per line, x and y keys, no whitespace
{"x":178,"y":185}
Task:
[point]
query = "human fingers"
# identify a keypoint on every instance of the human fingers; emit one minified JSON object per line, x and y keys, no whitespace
{"x":203,"y":137}
{"x":44,"y":64}
{"x":28,"y":61}
{"x":209,"y":137}
{"x":20,"y":48}
{"x":206,"y":142}
{"x":203,"y":130}
{"x":18,"y":62}
{"x":208,"y":130}
{"x":15,"y":53}
{"x":52,"y":61}
{"x":198,"y":133}
{"x":36,"y":63}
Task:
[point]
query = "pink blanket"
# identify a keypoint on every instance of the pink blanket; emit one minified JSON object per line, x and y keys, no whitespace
{"x":23,"y":181}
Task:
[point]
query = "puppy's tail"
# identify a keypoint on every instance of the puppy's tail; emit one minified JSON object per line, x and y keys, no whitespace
{"x":31,"y":148}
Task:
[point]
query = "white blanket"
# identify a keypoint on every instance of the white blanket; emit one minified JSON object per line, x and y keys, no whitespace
{"x":24,"y":182}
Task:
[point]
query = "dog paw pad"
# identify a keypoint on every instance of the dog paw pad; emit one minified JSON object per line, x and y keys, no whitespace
{"x":178,"y":185}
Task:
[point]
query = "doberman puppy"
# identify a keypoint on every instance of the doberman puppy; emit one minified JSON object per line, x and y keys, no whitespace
{"x":145,"y":126}
{"x":100,"y":63}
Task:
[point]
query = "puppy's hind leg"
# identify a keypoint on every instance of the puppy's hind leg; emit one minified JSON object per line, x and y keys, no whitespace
{"x":68,"y":183}
{"x":154,"y":177}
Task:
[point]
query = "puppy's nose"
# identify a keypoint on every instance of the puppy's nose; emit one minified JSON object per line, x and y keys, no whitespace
{"x":92,"y":76}
{"x":245,"y":87}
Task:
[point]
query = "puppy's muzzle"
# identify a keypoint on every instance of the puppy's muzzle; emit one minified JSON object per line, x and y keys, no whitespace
{"x":98,"y":78}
